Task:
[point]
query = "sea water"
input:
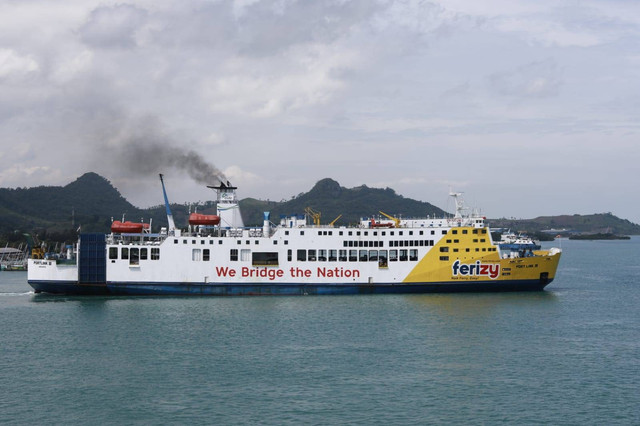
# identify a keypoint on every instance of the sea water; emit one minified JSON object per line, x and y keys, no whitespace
{"x":567,"y":355}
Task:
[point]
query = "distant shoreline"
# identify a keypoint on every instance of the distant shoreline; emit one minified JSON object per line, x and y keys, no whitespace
{"x":599,"y":237}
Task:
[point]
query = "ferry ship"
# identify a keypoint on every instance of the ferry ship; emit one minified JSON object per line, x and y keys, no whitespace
{"x":217,"y":255}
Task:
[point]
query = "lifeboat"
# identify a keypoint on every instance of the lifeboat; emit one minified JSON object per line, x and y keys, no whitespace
{"x":374,"y":224}
{"x":203,"y":219}
{"x":128,"y":227}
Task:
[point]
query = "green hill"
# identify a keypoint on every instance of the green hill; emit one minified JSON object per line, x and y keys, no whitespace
{"x":89,"y":200}
{"x":332,"y":200}
{"x":565,"y":224}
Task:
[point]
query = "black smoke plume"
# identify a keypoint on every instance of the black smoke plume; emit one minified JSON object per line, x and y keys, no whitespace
{"x":147,"y":158}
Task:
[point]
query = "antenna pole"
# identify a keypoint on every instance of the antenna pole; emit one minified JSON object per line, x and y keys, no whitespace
{"x":172,"y":225}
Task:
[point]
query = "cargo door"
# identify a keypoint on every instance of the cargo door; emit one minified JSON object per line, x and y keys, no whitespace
{"x":92,"y":263}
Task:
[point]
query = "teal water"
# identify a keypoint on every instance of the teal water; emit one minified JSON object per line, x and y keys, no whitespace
{"x":568,"y":355}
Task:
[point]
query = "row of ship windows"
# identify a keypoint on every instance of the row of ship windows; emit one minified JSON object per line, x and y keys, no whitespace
{"x":322,"y":255}
{"x":455,"y":250}
{"x":134,"y":254}
{"x":383,"y":233}
{"x":374,"y":233}
{"x":350,"y":243}
{"x":184,"y":241}
{"x":475,"y":240}
{"x":466,"y":231}
{"x":312,"y":255}
{"x":351,"y":233}
{"x":394,"y":243}
{"x":271,"y":258}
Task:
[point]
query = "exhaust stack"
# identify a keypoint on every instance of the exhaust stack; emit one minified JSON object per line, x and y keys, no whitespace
{"x":172,"y":225}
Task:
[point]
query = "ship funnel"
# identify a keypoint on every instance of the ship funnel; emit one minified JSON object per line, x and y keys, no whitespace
{"x":266,"y":225}
{"x":172,"y":225}
{"x":228,"y":205}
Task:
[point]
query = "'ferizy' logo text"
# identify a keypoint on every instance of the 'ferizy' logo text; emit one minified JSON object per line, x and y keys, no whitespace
{"x":491,"y":270}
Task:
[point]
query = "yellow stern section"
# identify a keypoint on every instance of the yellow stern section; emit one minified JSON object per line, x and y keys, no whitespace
{"x":466,"y":254}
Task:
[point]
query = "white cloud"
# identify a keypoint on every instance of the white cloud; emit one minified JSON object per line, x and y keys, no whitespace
{"x":301,"y":79}
{"x":536,"y":79}
{"x":14,"y":65}
{"x":16,"y":174}
{"x":69,"y":67}
{"x":113,"y":26}
{"x":407,"y":93}
{"x":239,"y":176}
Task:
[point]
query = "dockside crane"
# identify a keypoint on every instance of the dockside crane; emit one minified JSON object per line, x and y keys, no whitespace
{"x":394,"y":219}
{"x":315,"y":216}
{"x":335,"y":220}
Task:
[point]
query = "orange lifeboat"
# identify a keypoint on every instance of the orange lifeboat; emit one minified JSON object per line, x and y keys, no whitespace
{"x":128,"y":227}
{"x":375,"y":224}
{"x":203,"y":219}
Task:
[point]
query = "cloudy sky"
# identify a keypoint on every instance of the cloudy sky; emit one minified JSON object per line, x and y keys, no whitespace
{"x":528,"y":107}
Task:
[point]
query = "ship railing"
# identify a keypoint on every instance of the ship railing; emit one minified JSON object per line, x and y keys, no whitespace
{"x":256,"y":232}
{"x":466,"y":221}
{"x":234,"y":233}
{"x":149,"y":239}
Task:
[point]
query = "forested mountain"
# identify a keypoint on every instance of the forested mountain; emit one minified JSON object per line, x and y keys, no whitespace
{"x":332,"y":200}
{"x":605,"y":223}
{"x":89,"y":200}
{"x":55,"y":213}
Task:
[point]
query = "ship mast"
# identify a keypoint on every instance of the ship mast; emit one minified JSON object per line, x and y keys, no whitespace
{"x":172,"y":225}
{"x":460,"y":207}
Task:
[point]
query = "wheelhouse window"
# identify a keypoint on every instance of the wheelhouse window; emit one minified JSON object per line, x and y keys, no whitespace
{"x":342,"y":255}
{"x":413,"y":255}
{"x":265,"y":258}
{"x":134,"y":256}
{"x":333,"y":255}
{"x":403,"y":255}
{"x":393,"y":255}
{"x":302,"y":255}
{"x":322,"y":255}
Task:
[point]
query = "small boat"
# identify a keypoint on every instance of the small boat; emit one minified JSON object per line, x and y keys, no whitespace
{"x":374,"y":224}
{"x":203,"y":219}
{"x":517,"y":245}
{"x":128,"y":227}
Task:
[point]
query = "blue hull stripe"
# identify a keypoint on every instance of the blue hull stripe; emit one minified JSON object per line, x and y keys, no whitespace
{"x":251,"y":289}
